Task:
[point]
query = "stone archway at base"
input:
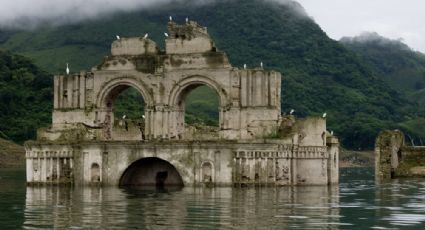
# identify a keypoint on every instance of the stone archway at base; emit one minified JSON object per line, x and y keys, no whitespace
{"x":151,"y":171}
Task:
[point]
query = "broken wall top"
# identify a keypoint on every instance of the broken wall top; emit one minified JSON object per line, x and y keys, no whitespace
{"x":134,"y":46}
{"x":189,"y":38}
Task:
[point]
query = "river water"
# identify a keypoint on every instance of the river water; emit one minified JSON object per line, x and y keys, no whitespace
{"x":357,"y":203}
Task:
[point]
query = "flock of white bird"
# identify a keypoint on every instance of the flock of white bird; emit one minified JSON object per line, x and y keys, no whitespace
{"x":166,"y":35}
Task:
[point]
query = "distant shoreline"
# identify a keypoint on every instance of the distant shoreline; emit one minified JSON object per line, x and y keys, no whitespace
{"x":12,"y":155}
{"x":356,"y":159}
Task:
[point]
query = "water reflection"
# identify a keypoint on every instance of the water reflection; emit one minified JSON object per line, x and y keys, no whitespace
{"x":358,"y":203}
{"x":217,"y":208}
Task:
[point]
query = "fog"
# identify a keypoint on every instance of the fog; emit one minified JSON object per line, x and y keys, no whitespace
{"x":376,"y":39}
{"x":338,"y":18}
{"x":394,"y":19}
{"x":29,"y":14}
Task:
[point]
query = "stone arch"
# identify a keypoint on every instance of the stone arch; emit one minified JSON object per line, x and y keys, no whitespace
{"x":151,"y":171}
{"x":179,"y":93}
{"x":106,"y":96}
{"x":184,"y":86}
{"x":114,"y":87}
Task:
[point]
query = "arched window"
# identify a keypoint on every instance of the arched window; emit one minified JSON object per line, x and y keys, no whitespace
{"x":207,"y":172}
{"x":125,"y":119}
{"x":202,"y":107}
{"x":95,"y":173}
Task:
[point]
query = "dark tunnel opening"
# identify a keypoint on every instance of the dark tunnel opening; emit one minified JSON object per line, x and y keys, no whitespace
{"x":151,"y":172}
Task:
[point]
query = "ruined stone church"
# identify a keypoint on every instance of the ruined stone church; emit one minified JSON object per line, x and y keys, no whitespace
{"x":254,"y":143}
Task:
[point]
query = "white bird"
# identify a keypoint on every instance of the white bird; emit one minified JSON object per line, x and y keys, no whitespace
{"x":261,"y":65}
{"x":143,"y":116}
{"x":244,"y":66}
{"x":118,"y":37}
{"x":146,"y":36}
{"x":292,"y":111}
{"x":67,"y":69}
{"x":171,"y":18}
{"x":332,"y":132}
{"x":324,"y":115}
{"x":166,"y":35}
{"x":187,"y":19}
{"x":124,"y":116}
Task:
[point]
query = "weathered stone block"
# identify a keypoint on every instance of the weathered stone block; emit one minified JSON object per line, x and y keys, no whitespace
{"x":133,"y":46}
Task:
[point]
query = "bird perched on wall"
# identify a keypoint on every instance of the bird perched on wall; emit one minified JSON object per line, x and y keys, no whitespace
{"x":261,"y":65}
{"x":124,"y":116}
{"x":244,"y":66}
{"x":118,"y":37}
{"x":187,"y":20}
{"x":324,"y":115}
{"x":166,"y":35}
{"x":332,"y":132}
{"x":146,"y":36}
{"x":292,"y":111}
{"x":67,"y":69}
{"x":143,"y":116}
{"x":171,"y":18}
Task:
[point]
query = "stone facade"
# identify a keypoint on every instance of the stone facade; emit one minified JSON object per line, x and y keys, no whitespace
{"x":253,"y":143}
{"x":395,"y":159}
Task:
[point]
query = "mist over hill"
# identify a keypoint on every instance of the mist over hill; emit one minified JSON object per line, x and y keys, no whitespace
{"x":392,"y":61}
{"x":319,"y":74}
{"x":398,"y":65}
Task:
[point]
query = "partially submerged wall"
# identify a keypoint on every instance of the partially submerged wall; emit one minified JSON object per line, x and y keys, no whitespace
{"x":412,"y":162}
{"x":217,"y":163}
{"x":387,"y":150}
{"x":394,"y":159}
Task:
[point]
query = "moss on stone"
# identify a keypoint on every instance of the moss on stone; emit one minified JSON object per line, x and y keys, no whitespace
{"x":411,"y":160}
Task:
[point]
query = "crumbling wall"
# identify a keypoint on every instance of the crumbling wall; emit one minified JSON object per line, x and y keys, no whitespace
{"x":412,"y":162}
{"x":133,"y":46}
{"x":387,"y":153}
{"x":188,"y":38}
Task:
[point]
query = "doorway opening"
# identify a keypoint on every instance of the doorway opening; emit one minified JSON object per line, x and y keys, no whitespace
{"x":151,"y":172}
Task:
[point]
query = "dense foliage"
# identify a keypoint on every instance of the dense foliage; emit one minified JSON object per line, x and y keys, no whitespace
{"x":25,"y":97}
{"x":319,"y":74}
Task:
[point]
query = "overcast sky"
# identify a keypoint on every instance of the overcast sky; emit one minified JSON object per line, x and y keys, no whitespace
{"x":390,"y":18}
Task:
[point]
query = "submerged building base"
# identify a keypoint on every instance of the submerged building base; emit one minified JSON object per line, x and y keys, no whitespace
{"x":210,"y":163}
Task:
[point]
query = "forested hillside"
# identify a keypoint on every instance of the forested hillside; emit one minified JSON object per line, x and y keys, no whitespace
{"x":319,"y":74}
{"x":25,"y":97}
{"x":393,"y":61}
{"x":399,"y":66}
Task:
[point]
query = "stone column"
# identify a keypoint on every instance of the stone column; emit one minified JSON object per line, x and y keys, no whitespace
{"x":58,"y":169}
{"x":333,"y":159}
{"x":82,"y":91}
{"x":30,"y":170}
